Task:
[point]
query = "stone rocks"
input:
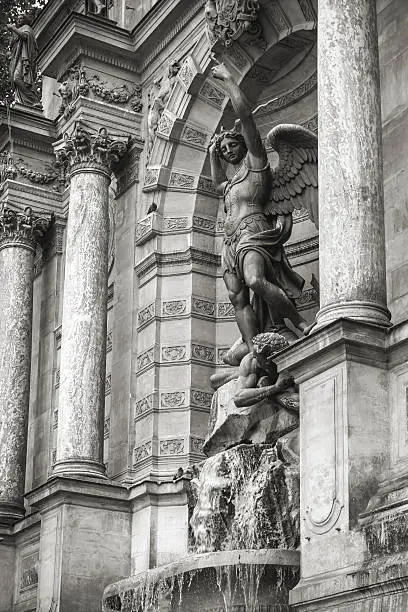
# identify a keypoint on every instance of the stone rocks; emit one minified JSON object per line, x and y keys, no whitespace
{"x":246,"y":498}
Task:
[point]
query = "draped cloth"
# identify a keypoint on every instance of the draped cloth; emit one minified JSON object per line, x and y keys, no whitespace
{"x":259,"y":233}
{"x":23,"y":66}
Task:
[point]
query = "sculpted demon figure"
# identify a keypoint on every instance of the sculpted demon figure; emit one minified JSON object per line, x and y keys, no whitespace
{"x":259,"y":202}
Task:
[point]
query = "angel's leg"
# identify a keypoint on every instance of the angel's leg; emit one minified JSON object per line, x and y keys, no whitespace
{"x":255,"y":279}
{"x":244,"y":313}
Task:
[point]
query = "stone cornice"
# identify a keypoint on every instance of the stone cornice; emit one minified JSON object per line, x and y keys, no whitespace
{"x":30,"y":127}
{"x":343,"y":340}
{"x":84,"y":491}
{"x":79,"y":29}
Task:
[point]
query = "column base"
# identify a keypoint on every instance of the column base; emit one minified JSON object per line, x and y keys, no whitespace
{"x":79,"y":467}
{"x":369,"y":312}
{"x":10,"y":513}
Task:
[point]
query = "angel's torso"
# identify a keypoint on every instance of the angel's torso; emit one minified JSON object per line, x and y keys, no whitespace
{"x":245,"y":194}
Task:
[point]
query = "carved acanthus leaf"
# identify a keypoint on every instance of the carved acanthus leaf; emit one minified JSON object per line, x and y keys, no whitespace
{"x":23,"y":228}
{"x":82,"y":148}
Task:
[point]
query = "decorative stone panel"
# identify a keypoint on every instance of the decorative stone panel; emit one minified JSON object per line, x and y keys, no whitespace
{"x":200,"y":352}
{"x":172,"y":399}
{"x":200,"y":398}
{"x":173,"y":353}
{"x":144,"y":405}
{"x":142,"y":451}
{"x":174,"y":308}
{"x":175,"y":446}
{"x":202,"y":307}
{"x":146,"y":314}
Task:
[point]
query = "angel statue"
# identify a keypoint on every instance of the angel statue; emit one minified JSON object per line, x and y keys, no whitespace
{"x":259,"y":202}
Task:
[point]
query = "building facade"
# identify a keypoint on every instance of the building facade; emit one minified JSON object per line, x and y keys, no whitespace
{"x":114,"y":310}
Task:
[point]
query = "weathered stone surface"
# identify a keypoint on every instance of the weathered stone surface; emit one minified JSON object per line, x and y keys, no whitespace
{"x":352,"y":250}
{"x":83,"y":347}
{"x":263,"y":422}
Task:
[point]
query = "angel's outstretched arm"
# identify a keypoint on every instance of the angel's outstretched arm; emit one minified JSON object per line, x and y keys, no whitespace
{"x":242,"y":107}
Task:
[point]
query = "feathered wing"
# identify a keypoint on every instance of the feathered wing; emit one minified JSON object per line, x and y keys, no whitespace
{"x":294,"y":180}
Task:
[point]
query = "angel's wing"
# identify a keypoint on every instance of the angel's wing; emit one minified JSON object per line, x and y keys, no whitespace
{"x":294,"y":180}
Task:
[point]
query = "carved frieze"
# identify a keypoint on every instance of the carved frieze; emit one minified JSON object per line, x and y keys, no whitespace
{"x":106,"y":428}
{"x":211,"y":94}
{"x":206,"y":184}
{"x":181,"y":181}
{"x":194,"y":136}
{"x":175,"y":223}
{"x":10,"y":169}
{"x":202,"y":223}
{"x":55,"y":419}
{"x":172,"y":447}
{"x":196,"y":445}
{"x":228,"y":20}
{"x":145,"y":359}
{"x":144,"y":405}
{"x":203,"y":307}
{"x":172,"y":399}
{"x":142,"y":452}
{"x":165,"y":124}
{"x":174,"y":308}
{"x":146,"y":314}
{"x":173,"y":353}
{"x":151,"y":176}
{"x":200,"y":398}
{"x":85,"y":149}
{"x":225,"y":310}
{"x":22,"y":228}
{"x":108,"y":384}
{"x":204,"y":353}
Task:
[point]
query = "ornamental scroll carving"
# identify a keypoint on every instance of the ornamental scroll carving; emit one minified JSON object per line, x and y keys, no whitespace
{"x":228,"y":20}
{"x":83,"y":148}
{"x":22,"y":228}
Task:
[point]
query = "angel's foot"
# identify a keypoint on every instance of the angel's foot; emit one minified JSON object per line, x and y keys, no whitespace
{"x":235,"y":354}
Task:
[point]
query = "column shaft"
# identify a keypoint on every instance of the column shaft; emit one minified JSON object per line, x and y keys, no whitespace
{"x":83,"y":344}
{"x":16,"y":303}
{"x":352,"y":242}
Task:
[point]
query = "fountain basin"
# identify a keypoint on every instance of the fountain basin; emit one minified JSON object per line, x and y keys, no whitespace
{"x":223,"y":581}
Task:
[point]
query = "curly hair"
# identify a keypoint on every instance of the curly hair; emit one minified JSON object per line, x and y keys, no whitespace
{"x":227,"y":134}
{"x":269,"y":343}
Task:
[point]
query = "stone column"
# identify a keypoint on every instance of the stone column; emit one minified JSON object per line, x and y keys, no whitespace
{"x":19,"y":233}
{"x":352,"y":242}
{"x":83,"y":343}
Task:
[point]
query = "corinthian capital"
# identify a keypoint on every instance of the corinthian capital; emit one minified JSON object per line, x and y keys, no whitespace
{"x":22,"y":228}
{"x":83,"y":149}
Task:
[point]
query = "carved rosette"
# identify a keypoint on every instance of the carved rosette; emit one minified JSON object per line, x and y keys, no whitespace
{"x":83,"y":150}
{"x":22,"y":228}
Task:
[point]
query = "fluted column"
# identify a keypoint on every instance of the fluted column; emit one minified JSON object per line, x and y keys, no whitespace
{"x":352,"y":241}
{"x":19,"y":232}
{"x":83,"y":343}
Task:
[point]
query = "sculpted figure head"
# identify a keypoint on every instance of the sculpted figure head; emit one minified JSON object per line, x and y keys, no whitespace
{"x":231,"y":147}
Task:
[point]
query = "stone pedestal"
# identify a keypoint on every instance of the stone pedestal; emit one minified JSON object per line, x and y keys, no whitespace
{"x":344,"y":448}
{"x":84,"y":541}
{"x":19,"y":233}
{"x":83,"y":344}
{"x":351,"y":249}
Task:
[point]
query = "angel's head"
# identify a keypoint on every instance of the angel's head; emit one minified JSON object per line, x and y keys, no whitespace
{"x":231,"y":147}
